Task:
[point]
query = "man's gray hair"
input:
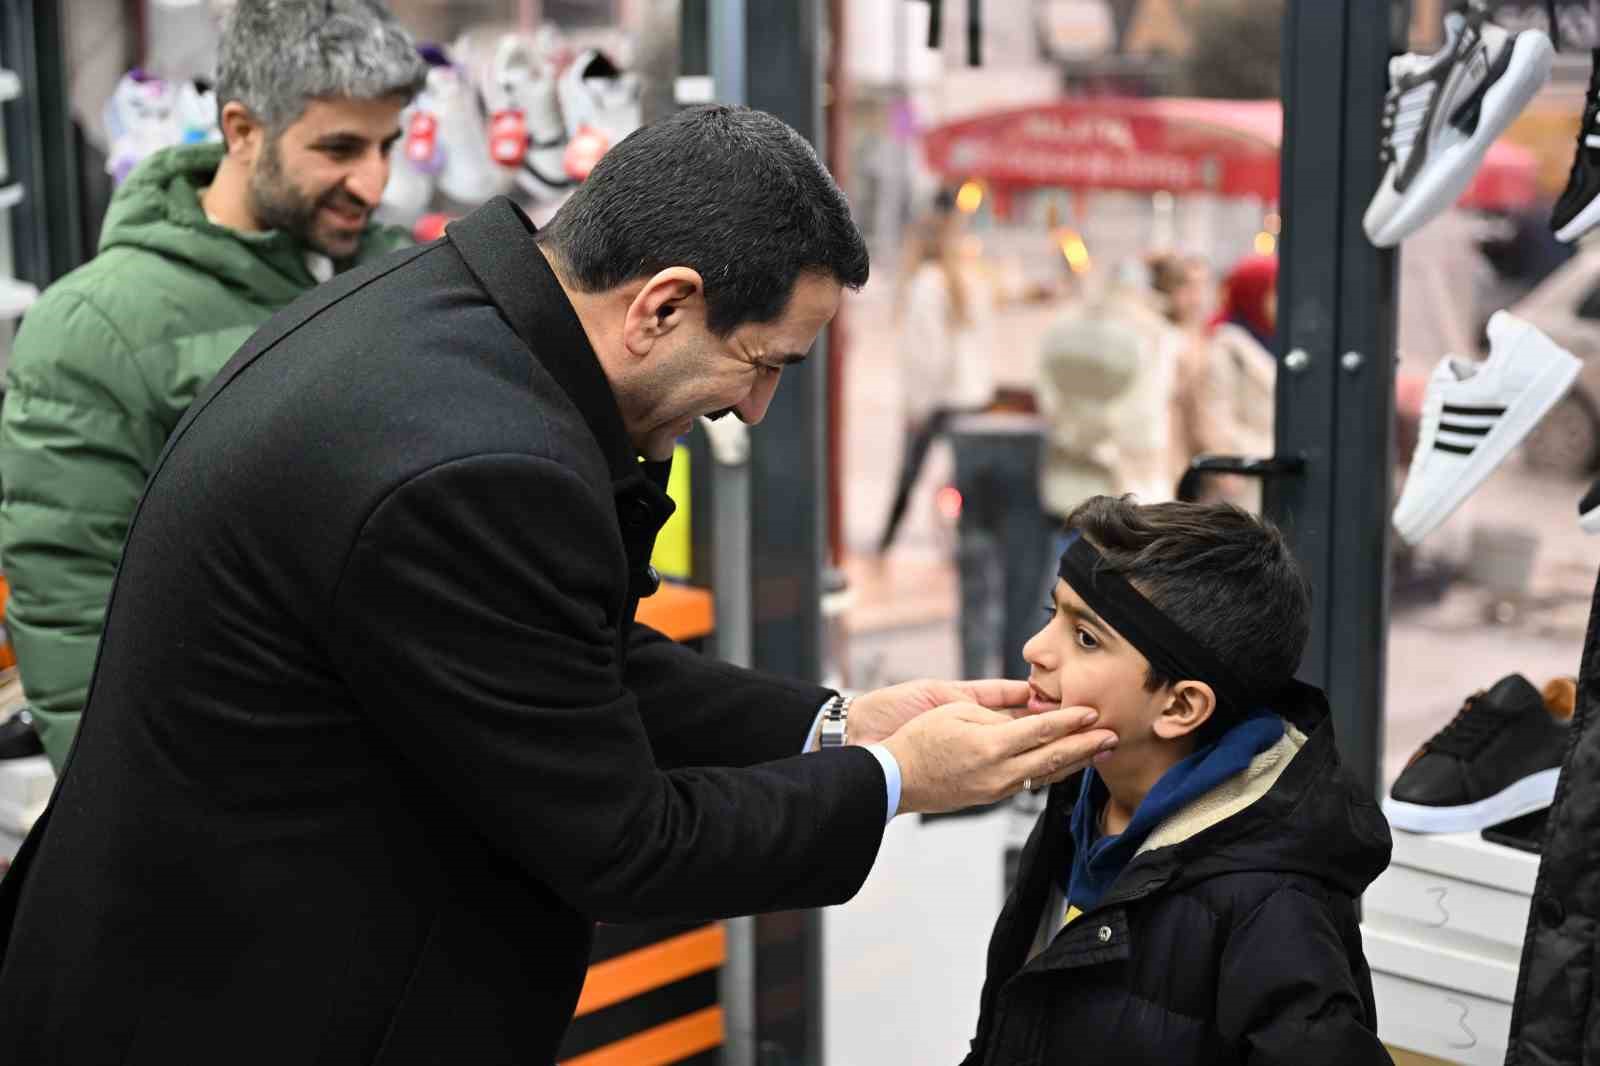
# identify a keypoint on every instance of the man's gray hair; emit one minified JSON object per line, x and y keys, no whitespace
{"x":276,"y":56}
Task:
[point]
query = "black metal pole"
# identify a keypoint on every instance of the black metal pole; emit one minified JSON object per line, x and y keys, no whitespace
{"x":1337,"y":300}
{"x":788,"y":539}
{"x":47,"y":227}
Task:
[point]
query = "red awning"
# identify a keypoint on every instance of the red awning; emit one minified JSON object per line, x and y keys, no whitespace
{"x":1222,"y":147}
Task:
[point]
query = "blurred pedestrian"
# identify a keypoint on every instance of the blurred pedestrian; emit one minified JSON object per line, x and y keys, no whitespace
{"x":1238,"y":389}
{"x":1106,"y":376}
{"x":1185,"y":289}
{"x":944,"y":314}
{"x":1187,"y":292}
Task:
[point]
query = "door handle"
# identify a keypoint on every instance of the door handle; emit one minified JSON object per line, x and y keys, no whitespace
{"x":1242,"y":465}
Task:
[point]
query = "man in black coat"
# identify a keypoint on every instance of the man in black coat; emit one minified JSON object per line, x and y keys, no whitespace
{"x":373,"y":738}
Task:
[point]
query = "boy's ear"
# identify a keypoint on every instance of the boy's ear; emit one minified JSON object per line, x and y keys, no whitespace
{"x":1191,"y":705}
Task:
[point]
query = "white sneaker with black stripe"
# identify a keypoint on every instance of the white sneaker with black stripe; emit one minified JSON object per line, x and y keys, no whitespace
{"x":1442,"y":113}
{"x":1474,"y":414}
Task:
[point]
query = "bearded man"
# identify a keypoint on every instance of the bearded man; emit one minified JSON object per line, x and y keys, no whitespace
{"x":201,"y":245}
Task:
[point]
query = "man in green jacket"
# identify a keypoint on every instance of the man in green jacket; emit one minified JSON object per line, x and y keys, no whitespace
{"x":200,"y":246}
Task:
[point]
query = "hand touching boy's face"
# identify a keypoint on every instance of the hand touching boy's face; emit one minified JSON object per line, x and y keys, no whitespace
{"x":1080,"y":661}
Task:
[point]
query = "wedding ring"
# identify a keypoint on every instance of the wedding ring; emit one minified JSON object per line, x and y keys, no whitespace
{"x":1027,"y":784}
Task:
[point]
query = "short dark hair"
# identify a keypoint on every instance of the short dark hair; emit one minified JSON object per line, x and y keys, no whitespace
{"x":1222,"y":574}
{"x":732,"y":193}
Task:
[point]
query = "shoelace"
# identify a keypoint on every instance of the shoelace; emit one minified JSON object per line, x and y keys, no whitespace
{"x":1468,"y":731}
{"x":1404,"y":112}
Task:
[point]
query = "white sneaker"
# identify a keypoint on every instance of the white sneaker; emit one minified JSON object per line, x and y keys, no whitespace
{"x":526,"y":83}
{"x":469,"y":175}
{"x":140,"y":120}
{"x":196,"y":111}
{"x":409,"y":191}
{"x":597,"y":95}
{"x":1441,"y":115}
{"x":1473,"y":414}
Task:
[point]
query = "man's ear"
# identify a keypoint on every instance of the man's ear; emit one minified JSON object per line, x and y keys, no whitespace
{"x":665,"y":303}
{"x":1191,"y":705}
{"x":241,"y":132}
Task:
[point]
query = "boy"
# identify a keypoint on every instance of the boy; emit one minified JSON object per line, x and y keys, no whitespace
{"x":1190,"y":898}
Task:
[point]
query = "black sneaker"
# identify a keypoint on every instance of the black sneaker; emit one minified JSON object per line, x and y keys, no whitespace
{"x":1525,"y":833}
{"x":17,"y":737}
{"x":1578,"y":210}
{"x":1497,"y":759}
{"x":1589,"y":509}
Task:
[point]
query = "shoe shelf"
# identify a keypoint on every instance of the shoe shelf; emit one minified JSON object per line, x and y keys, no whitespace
{"x":1442,"y":929}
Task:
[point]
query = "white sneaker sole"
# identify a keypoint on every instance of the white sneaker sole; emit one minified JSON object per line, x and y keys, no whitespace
{"x":1523,"y":797}
{"x":1419,"y":514}
{"x":1444,"y":179}
{"x":1581,"y":223}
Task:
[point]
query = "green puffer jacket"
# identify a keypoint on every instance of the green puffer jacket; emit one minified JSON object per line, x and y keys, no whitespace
{"x":102,"y":369}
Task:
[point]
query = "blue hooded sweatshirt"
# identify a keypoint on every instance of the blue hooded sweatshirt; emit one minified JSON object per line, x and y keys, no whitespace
{"x":1096,"y":862}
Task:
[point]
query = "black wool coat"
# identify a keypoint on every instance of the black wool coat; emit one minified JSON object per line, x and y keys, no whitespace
{"x":373,"y":739}
{"x":1555,"y":1020}
{"x":1239,"y":945}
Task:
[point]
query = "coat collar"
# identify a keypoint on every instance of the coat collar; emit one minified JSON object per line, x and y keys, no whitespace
{"x":496,"y":241}
{"x":1311,"y":819}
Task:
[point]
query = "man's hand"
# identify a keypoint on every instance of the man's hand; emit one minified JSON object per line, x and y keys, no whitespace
{"x":879,"y":714}
{"x":962,"y":755}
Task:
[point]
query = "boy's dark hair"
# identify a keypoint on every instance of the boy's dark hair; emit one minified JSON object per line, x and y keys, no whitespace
{"x":1222,"y":574}
{"x":733,"y":193}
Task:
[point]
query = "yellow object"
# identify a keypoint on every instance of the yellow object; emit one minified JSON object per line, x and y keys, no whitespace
{"x":674,"y":552}
{"x":1072,"y":915}
{"x":969,"y":197}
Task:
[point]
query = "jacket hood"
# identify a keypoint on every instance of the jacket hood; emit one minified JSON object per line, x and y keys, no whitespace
{"x":157,"y":209}
{"x":1293,"y":810}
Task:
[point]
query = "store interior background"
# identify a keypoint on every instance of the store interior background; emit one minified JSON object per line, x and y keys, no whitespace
{"x":1503,"y":587}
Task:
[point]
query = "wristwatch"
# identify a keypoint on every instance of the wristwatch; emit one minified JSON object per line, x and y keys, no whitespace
{"x":835,"y":721}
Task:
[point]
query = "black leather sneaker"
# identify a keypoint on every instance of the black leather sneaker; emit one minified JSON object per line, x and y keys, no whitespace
{"x":1578,"y":209}
{"x":1589,"y":510}
{"x":17,"y":737}
{"x":1497,"y":759}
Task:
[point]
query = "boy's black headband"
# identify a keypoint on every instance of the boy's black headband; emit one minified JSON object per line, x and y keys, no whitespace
{"x":1170,"y":650}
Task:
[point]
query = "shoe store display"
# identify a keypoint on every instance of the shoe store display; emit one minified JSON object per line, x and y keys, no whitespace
{"x":1442,"y":113}
{"x":1498,"y":759}
{"x":1578,"y":209}
{"x":1474,"y":414}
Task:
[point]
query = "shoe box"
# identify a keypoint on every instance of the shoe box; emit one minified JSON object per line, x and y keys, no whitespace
{"x":1442,"y":929}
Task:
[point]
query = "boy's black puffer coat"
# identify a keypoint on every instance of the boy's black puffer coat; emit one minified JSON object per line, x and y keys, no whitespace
{"x":1238,"y":944}
{"x":1556,"y":1019}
